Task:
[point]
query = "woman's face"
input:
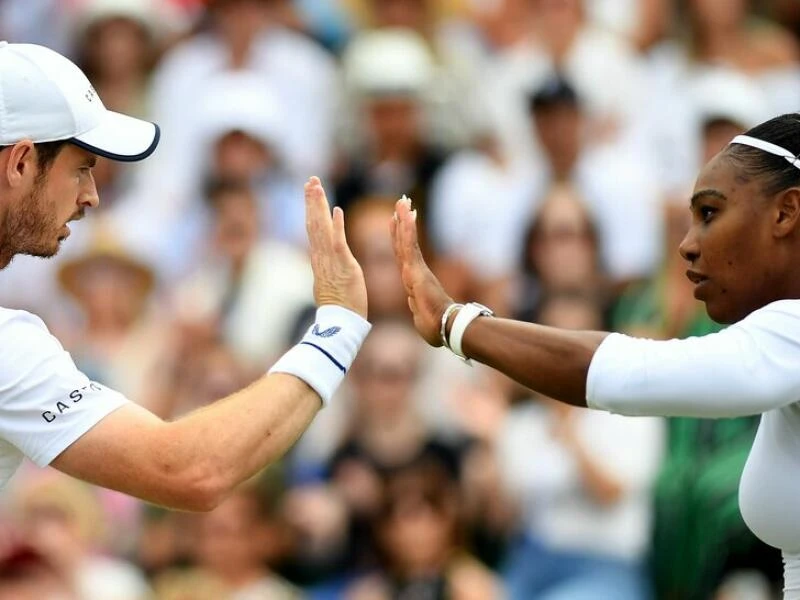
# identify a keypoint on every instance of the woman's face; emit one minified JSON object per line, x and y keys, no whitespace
{"x":731,"y":245}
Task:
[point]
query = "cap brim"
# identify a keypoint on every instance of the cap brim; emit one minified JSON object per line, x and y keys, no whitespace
{"x":120,"y":137}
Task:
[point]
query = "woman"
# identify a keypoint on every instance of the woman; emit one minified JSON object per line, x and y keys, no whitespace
{"x":742,"y":251}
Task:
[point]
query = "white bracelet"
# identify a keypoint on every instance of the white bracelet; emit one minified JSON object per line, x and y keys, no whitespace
{"x":327,"y":350}
{"x":466,"y":315}
{"x":445,"y":316}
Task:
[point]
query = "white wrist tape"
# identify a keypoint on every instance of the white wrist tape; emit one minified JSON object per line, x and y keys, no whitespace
{"x":324,"y":355}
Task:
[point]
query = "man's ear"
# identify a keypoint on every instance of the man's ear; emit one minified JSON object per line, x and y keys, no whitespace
{"x":21,"y":163}
{"x":787,"y":212}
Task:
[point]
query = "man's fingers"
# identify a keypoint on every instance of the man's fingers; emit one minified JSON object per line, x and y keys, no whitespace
{"x":318,"y":215}
{"x":339,"y":236}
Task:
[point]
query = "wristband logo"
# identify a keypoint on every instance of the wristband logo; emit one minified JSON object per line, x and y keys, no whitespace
{"x":330,"y":332}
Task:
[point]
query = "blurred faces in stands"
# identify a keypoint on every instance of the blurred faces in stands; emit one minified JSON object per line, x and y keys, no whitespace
{"x":718,"y":14}
{"x":562,"y":246}
{"x":366,"y":233}
{"x":25,"y":574}
{"x":385,"y":373}
{"x":389,"y":71}
{"x":236,"y":222}
{"x":559,"y":125}
{"x":239,"y":21}
{"x":412,"y":14}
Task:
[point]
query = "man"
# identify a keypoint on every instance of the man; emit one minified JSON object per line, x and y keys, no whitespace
{"x":52,"y":127}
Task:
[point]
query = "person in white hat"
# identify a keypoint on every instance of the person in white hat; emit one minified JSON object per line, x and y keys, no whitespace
{"x":53,"y":125}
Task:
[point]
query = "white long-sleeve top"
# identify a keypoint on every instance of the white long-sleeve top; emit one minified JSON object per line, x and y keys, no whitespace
{"x":752,"y":367}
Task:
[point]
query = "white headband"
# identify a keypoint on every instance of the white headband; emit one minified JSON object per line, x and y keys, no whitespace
{"x":767,"y":147}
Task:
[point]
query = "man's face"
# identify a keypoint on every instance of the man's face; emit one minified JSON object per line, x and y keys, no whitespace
{"x":559,"y":130}
{"x":394,"y":122}
{"x":36,"y":221}
{"x":730,"y":246}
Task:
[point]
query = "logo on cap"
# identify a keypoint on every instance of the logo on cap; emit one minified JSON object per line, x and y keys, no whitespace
{"x":91,"y":94}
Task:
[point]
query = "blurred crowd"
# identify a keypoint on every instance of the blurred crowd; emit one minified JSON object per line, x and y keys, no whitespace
{"x":550,"y":147}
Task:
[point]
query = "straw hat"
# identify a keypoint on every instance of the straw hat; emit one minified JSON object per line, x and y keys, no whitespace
{"x":106,"y":247}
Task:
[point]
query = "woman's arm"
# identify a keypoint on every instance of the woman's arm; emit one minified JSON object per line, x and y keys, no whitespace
{"x":747,"y":369}
{"x":553,"y":362}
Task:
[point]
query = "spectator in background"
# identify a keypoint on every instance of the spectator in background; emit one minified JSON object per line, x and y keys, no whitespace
{"x":561,"y":253}
{"x":560,"y":37}
{"x":705,"y":458}
{"x":117,"y":45}
{"x":387,"y":74}
{"x":456,"y":103}
{"x":238,"y":127}
{"x":473,"y":204}
{"x":386,"y":432}
{"x":118,"y":337}
{"x":27,"y":575}
{"x":623,"y":200}
{"x":419,"y":537}
{"x":247,"y":35}
{"x":199,"y":366}
{"x":584,"y":481}
{"x":238,"y":541}
{"x":719,"y":37}
{"x":63,"y":521}
{"x":729,"y":34}
{"x":244,"y":267}
{"x":366,"y":233}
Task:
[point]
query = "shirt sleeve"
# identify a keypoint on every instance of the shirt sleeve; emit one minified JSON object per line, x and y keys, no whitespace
{"x":46,"y":403}
{"x":747,"y":369}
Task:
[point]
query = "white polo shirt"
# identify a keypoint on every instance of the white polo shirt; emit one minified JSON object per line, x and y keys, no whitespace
{"x":752,"y":367}
{"x":46,"y":403}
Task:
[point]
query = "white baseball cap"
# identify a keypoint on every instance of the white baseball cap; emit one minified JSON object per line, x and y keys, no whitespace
{"x":45,"y":97}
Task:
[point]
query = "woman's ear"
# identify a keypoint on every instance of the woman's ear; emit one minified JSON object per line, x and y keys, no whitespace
{"x":787,"y":212}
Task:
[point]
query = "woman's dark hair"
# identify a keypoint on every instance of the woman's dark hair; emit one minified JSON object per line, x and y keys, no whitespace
{"x":776,"y":172}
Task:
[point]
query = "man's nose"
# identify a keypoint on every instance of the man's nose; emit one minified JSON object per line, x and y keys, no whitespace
{"x":89,"y":198}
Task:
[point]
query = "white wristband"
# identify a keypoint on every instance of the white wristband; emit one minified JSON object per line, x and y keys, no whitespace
{"x":465,"y":316}
{"x":324,"y":355}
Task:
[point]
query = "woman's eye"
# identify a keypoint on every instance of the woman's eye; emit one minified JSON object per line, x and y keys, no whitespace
{"x":706,"y":212}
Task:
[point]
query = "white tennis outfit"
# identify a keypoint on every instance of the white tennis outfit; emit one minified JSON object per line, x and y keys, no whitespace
{"x":752,"y":367}
{"x":46,"y":403}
